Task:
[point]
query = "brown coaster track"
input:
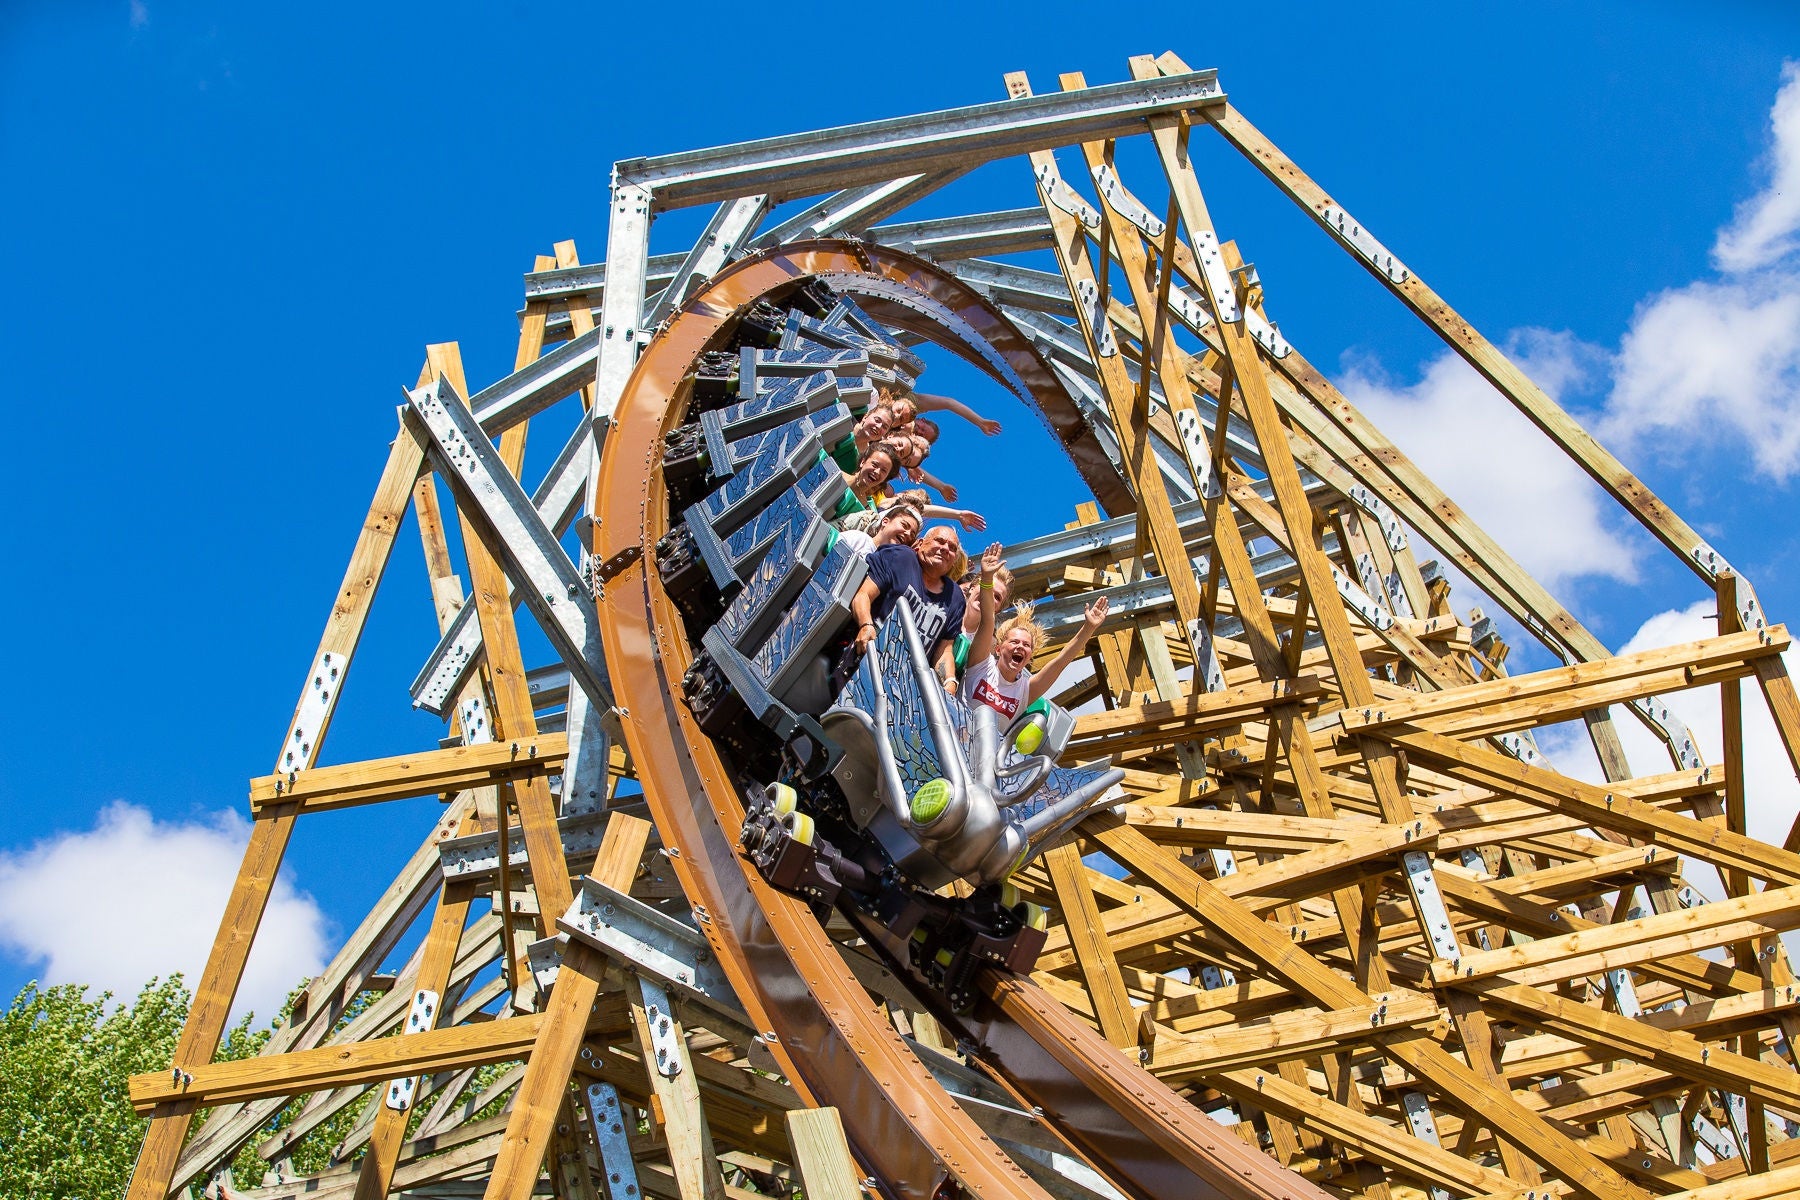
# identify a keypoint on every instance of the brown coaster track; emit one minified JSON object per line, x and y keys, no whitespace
{"x":829,"y":1039}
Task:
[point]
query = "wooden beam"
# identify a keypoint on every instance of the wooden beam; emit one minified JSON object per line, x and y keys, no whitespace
{"x":402,"y":776}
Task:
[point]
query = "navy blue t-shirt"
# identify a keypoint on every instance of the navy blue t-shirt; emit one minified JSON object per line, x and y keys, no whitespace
{"x":939,"y":614}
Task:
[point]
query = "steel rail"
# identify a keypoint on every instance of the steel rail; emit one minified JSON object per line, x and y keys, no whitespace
{"x":828,"y":1039}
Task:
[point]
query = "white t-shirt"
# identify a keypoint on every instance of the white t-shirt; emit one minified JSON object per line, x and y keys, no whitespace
{"x":858,"y":541}
{"x":983,"y":684}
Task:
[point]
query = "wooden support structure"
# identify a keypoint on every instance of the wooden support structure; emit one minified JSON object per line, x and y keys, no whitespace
{"x":1342,"y":930}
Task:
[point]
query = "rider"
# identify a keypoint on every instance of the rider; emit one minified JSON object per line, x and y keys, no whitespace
{"x":925,"y":573}
{"x":999,"y":674}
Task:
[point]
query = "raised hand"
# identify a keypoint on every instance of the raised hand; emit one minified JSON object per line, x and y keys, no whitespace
{"x":987,"y":425}
{"x":1094,"y":615}
{"x":949,"y":492}
{"x":973,"y":521}
{"x":991,"y":562}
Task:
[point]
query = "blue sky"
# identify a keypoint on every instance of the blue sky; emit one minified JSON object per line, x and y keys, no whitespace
{"x":232,"y":229}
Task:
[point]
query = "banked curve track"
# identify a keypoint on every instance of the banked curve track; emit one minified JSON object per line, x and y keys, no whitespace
{"x":830,"y":1040}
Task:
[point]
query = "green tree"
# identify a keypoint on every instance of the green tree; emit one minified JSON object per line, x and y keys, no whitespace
{"x":66,"y":1125}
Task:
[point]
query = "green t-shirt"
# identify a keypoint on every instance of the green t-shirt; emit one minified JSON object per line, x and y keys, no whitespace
{"x":845,"y":455}
{"x":848,"y":503}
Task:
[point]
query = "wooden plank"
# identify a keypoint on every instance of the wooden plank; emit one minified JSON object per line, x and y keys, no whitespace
{"x":513,"y":713}
{"x":1158,"y":722}
{"x":1325,"y":987}
{"x":1368,"y":1136}
{"x":1627,"y":943}
{"x":1431,"y":710}
{"x":1093,"y":952}
{"x":439,"y":956}
{"x":823,"y":1155}
{"x":1178,"y":1058}
{"x":402,"y":776}
{"x":677,"y":1109}
{"x":1604,"y":808}
{"x":1672,"y":1050}
{"x":340,"y":1066}
{"x":1476,"y":350}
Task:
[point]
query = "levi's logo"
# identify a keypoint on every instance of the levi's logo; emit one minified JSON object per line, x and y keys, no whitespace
{"x":1005,"y":705}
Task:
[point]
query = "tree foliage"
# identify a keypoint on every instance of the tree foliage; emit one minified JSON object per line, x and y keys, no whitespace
{"x":67,"y":1131}
{"x":66,"y":1125}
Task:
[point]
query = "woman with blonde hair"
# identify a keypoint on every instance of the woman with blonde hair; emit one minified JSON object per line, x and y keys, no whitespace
{"x":999,"y":673}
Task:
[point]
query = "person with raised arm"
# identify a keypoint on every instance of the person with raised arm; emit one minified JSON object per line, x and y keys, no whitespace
{"x":926,"y":402}
{"x":999,"y":673}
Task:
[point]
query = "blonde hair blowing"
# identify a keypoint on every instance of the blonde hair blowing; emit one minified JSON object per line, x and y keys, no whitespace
{"x":1021,"y":619}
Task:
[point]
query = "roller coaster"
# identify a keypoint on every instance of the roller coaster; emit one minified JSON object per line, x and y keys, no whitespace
{"x":1279,"y":899}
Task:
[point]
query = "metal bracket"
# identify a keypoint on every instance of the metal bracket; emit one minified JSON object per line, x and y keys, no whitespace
{"x":1424,"y":1127}
{"x":1522,"y":747}
{"x":477,"y":856}
{"x":1624,"y":992}
{"x":313,"y":713}
{"x":1737,"y":1115}
{"x":1206,"y":656}
{"x":1345,"y":228}
{"x":659,"y":1015}
{"x":1126,"y":204}
{"x":1421,"y":881}
{"x":608,"y":1121}
{"x":555,"y":500}
{"x":476,"y":728}
{"x":1218,"y":279}
{"x":421,"y":1017}
{"x":1396,"y":594}
{"x":1065,"y":197}
{"x":1267,"y":335}
{"x":1681,"y":739}
{"x":601,"y":572}
{"x":1087,"y":294}
{"x":1372,"y":612}
{"x":543,"y":958}
{"x":1372,"y":582}
{"x":1199,"y":453}
{"x":1391,"y":529}
{"x":652,"y":943}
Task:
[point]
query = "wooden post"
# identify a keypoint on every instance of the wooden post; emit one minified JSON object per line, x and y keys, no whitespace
{"x":822,"y":1154}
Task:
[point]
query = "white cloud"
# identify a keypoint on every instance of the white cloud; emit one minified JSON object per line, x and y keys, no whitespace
{"x":1772,"y":796}
{"x":1491,"y":460}
{"x":140,"y":14}
{"x":135,"y":897}
{"x":1713,"y":362}
{"x":1717,"y":362}
{"x":1763,"y":230}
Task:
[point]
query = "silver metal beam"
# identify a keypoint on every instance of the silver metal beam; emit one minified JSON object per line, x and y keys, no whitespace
{"x":533,"y":559}
{"x":724,"y":235}
{"x":944,"y":239}
{"x":1015,"y":231}
{"x":807,"y":164}
{"x":855,"y":209}
{"x":533,"y":388}
{"x":556,"y":501}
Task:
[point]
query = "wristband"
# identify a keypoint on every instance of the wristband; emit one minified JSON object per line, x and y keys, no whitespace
{"x":866,"y":625}
{"x":987,"y":585}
